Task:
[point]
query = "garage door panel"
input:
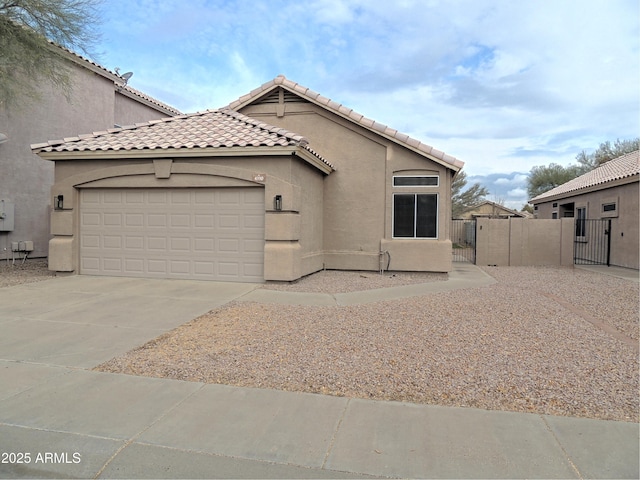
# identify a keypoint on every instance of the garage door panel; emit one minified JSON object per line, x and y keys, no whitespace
{"x":89,"y":241}
{"x":90,"y":264}
{"x":112,"y":241}
{"x":112,"y":197}
{"x":253,"y":221}
{"x":179,"y":220}
{"x":156,"y":220}
{"x":157,"y":266}
{"x":90,"y":219}
{"x":134,"y":265}
{"x":205,"y":245}
{"x":214,"y":234}
{"x":157,"y":197}
{"x":135,"y":220}
{"x":180,"y":197}
{"x":157,"y":243}
{"x":112,"y":265}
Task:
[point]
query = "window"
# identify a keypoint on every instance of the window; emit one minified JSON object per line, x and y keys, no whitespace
{"x":415,"y":215}
{"x":581,"y":221}
{"x":554,"y":215}
{"x":609,"y":207}
{"x":416,"y":181}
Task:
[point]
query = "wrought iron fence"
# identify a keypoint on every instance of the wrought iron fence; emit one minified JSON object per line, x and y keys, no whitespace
{"x":463,"y":237}
{"x":592,"y":242}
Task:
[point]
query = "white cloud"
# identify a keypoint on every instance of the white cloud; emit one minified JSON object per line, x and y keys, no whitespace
{"x":517,"y":192}
{"x":503,"y":86}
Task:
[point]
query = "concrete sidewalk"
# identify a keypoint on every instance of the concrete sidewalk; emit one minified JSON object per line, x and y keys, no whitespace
{"x":74,"y":422}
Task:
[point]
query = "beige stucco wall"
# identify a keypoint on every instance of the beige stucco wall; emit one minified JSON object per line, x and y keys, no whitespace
{"x":292,"y":245}
{"x":625,"y":237}
{"x":524,"y":242}
{"x":26,"y":179}
{"x":358,"y":195}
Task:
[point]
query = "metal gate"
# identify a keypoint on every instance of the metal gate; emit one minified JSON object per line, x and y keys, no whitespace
{"x":463,"y":237}
{"x":592,"y":242}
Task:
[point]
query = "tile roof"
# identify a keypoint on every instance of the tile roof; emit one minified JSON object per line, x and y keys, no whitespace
{"x":221,"y":128}
{"x":345,"y":112}
{"x":622,"y":167}
{"x":116,"y":78}
{"x":494,"y":205}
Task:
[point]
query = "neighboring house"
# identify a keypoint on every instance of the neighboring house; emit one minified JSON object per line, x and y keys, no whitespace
{"x":488,"y":209}
{"x":607,"y":192}
{"x":99,"y":100}
{"x":233,"y":194}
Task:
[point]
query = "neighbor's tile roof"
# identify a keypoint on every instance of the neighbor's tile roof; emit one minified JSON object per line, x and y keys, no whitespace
{"x":622,"y":167}
{"x":348,"y":113}
{"x":210,"y":129}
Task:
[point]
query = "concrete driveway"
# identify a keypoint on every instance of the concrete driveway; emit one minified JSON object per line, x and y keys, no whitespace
{"x":82,"y":321}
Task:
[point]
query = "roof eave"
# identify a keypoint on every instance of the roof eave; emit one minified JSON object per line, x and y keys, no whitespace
{"x":592,"y":188}
{"x":156,"y":106}
{"x":313,"y":160}
{"x":85,"y":63}
{"x":158,"y":153}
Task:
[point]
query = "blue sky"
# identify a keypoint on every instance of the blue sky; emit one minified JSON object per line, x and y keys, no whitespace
{"x":502,"y":85}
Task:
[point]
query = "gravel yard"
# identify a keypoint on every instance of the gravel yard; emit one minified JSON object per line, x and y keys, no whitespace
{"x":538,"y":341}
{"x":333,"y":281}
{"x":34,"y":270}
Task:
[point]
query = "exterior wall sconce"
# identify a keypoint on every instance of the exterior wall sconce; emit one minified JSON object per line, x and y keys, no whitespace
{"x":58,"y":202}
{"x":277,"y":202}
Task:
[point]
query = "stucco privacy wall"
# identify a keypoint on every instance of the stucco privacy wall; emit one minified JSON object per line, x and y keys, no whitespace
{"x":94,"y":104}
{"x":291,"y":245}
{"x":358,"y":196}
{"x":625,"y":237}
{"x":524,"y":242}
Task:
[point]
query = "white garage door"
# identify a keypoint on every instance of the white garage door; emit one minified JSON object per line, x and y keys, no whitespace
{"x":197,"y":233}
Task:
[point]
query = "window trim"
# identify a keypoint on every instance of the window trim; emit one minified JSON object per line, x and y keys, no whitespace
{"x":437,"y":177}
{"x":415,"y":226}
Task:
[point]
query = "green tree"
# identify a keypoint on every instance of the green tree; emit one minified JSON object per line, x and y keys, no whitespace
{"x":27,"y":57}
{"x":461,"y":200}
{"x":543,"y":178}
{"x":606,"y":152}
{"x":527,"y":208}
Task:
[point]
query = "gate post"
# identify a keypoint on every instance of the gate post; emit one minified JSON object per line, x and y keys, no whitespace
{"x":607,"y":232}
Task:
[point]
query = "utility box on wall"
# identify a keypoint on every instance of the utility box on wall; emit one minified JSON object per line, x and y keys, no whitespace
{"x":7,"y":211}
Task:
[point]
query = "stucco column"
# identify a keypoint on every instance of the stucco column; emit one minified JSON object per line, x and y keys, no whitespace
{"x":62,"y":247}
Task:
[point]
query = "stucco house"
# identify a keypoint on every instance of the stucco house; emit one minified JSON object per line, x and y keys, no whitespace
{"x":279,"y":184}
{"x":607,"y":192}
{"x":99,"y":100}
{"x":489,"y":209}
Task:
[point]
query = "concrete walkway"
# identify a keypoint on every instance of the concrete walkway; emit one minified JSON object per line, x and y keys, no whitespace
{"x":63,"y":420}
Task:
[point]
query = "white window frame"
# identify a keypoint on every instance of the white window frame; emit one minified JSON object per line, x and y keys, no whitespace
{"x":415,"y":223}
{"x":437,"y":177}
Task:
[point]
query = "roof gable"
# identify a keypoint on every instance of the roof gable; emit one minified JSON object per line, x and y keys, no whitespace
{"x":266,"y":94}
{"x":599,"y":178}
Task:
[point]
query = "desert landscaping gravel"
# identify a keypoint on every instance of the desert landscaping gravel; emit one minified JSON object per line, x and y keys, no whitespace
{"x":16,"y":272}
{"x":559,"y":341}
